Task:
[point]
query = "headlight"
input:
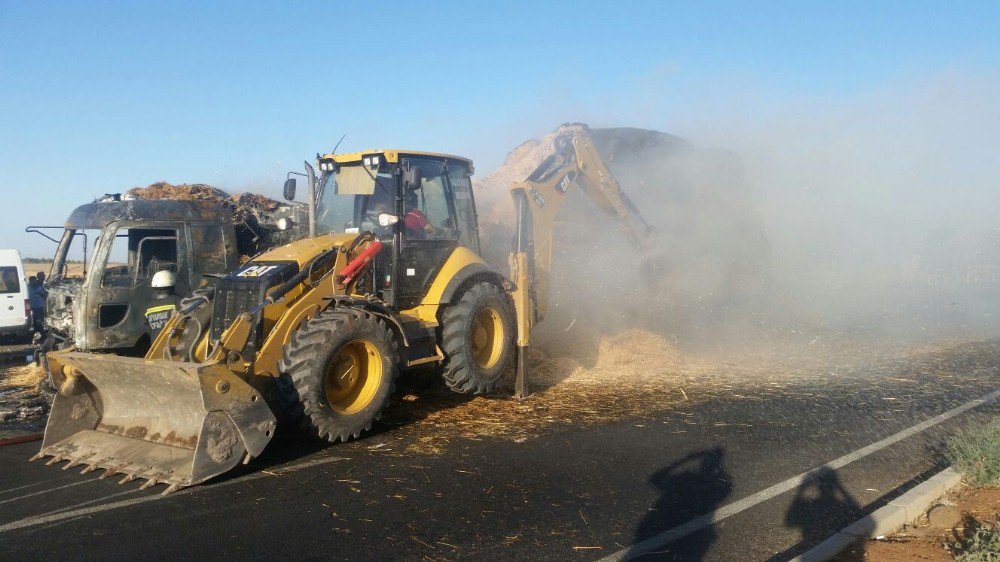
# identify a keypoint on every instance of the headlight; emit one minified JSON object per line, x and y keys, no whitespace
{"x":284,"y":223}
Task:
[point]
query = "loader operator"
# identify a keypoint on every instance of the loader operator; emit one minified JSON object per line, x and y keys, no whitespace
{"x":416,"y":222}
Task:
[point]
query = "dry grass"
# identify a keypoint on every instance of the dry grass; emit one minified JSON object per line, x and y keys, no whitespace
{"x":635,"y":376}
{"x":180,"y":192}
{"x":42,"y":267}
{"x":976,"y":453}
{"x":242,"y":203}
{"x":22,"y":376}
{"x":22,"y":406}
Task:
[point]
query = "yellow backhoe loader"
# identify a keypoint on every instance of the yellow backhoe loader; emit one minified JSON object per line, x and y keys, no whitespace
{"x":390,"y":277}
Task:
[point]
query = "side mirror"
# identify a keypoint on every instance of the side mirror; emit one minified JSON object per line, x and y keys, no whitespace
{"x":411,"y":176}
{"x":289,"y":189}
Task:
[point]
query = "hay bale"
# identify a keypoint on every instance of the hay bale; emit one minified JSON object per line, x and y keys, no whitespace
{"x":251,"y":212}
{"x":181,"y":192}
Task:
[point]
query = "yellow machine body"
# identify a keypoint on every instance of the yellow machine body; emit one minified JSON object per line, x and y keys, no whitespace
{"x":206,"y":395}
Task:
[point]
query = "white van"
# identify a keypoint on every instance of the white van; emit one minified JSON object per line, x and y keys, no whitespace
{"x":15,"y":310}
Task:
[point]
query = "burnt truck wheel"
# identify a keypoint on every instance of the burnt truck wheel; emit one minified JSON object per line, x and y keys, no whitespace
{"x":341,"y":367}
{"x":477,"y":337}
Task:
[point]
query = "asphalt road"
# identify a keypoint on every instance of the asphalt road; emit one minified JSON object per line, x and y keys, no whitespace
{"x":573,"y":491}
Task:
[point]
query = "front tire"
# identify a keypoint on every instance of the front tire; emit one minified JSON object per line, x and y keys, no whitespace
{"x":342,"y":365}
{"x":477,"y":337}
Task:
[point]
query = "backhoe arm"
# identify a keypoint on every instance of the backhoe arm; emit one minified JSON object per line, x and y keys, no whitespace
{"x":537,"y":201}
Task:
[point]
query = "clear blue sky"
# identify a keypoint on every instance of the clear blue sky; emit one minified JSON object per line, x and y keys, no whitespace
{"x":97,"y":97}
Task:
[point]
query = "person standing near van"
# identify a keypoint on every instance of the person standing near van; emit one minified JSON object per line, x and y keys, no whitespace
{"x":36,"y":299}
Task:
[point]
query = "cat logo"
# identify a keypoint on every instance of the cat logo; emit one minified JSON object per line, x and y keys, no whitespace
{"x":257,"y":270}
{"x":565,"y":183}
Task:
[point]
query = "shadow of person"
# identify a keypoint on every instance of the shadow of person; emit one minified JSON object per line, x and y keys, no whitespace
{"x":690,"y":488}
{"x":820,"y":508}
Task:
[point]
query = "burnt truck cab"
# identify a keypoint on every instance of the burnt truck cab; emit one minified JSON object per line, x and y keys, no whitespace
{"x":100,"y":284}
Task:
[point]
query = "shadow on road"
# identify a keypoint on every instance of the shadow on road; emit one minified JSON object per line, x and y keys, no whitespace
{"x":692,"y":487}
{"x":818,"y":510}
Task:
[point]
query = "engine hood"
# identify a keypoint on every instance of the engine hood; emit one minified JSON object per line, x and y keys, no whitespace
{"x":301,"y":251}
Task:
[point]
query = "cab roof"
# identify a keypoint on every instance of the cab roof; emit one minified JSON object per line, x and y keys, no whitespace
{"x":390,"y":155}
{"x":100,"y":214}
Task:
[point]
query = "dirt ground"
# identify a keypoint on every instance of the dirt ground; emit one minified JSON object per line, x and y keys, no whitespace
{"x":922,"y":541}
{"x":73,"y":269}
{"x":39,"y":267}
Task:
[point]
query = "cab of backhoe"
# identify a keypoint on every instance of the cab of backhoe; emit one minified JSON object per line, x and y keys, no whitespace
{"x":419,"y":205}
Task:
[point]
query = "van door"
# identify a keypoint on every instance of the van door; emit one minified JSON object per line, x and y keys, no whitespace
{"x":13,"y":294}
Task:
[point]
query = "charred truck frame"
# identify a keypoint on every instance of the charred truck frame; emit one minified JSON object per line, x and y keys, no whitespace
{"x":100,"y":284}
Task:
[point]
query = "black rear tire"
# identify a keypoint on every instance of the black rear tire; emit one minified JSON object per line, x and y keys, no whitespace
{"x":477,"y":337}
{"x":338,"y":373}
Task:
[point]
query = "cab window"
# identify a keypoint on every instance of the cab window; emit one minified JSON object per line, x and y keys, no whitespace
{"x":465,"y":208}
{"x":136,"y":254}
{"x":428,"y":214}
{"x":209,"y":251}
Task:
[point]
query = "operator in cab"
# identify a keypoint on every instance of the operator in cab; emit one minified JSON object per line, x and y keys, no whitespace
{"x":416,"y":222}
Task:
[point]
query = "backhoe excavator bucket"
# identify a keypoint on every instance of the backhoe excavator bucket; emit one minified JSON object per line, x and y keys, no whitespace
{"x":168,"y":422}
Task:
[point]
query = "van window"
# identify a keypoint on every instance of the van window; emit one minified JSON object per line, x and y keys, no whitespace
{"x":10,"y":282}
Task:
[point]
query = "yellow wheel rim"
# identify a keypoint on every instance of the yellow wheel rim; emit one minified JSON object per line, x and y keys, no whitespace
{"x":487,"y":337}
{"x":353,"y":377}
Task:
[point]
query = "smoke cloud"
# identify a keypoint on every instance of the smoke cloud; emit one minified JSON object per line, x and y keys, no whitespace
{"x":871,"y":220}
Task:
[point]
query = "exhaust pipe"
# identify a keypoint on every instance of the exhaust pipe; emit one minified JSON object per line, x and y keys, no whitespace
{"x":311,"y":194}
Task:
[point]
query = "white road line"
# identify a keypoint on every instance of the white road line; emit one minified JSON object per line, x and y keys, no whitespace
{"x":63,"y":515}
{"x":45,"y":491}
{"x":699,"y":523}
{"x":26,"y":486}
{"x":88,"y":502}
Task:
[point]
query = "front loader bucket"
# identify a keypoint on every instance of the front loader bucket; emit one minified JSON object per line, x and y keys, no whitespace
{"x":168,"y":422}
